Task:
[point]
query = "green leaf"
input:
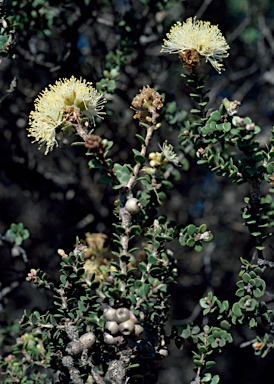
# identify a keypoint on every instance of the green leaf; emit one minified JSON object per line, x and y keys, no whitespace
{"x":225,"y":325}
{"x":143,"y":290}
{"x":142,"y":267}
{"x":191,"y":229}
{"x":256,"y":233}
{"x":140,"y":138}
{"x":224,"y":306}
{"x":210,"y":364}
{"x":240,"y":292}
{"x":257,"y":292}
{"x":151,"y":259}
{"x":63,"y":279}
{"x":18,"y":240}
{"x":198,"y":247}
{"x":94,"y":163}
{"x":139,"y":158}
{"x":122,"y":172}
{"x":190,"y":242}
{"x":196,"y":111}
{"x":252,"y":323}
{"x":216,"y":116}
{"x":270,"y":168}
{"x":226,"y":127}
{"x":202,"y":228}
{"x":105,"y":179}
{"x":186,"y":333}
{"x":197,"y":362}
{"x":236,"y":309}
{"x":82,"y":306}
{"x":246,"y":277}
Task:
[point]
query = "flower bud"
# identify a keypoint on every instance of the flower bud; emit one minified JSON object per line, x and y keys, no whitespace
{"x":127,"y":327}
{"x":104,"y":143}
{"x":122,"y":314}
{"x":153,"y":163}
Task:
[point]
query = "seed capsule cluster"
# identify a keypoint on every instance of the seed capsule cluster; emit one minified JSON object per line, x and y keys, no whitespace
{"x":86,"y":341}
{"x":120,"y":322}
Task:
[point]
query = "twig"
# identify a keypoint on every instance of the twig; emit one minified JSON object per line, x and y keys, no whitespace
{"x":265,"y":263}
{"x":137,"y":167}
{"x":11,"y":89}
{"x":241,"y":27}
{"x":73,"y":372}
{"x":203,"y":8}
{"x":247,"y":343}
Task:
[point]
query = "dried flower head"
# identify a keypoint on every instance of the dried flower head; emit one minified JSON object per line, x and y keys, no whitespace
{"x":95,"y":245}
{"x":145,"y":105}
{"x":94,"y":144}
{"x":194,"y":40}
{"x":54,"y":109}
{"x":98,"y":256}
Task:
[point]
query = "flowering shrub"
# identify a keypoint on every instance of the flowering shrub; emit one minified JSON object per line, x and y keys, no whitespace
{"x":107,"y":323}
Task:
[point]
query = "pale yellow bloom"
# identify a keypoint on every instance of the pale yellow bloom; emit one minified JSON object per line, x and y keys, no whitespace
{"x":52,"y":103}
{"x":169,"y":154}
{"x":200,"y":36}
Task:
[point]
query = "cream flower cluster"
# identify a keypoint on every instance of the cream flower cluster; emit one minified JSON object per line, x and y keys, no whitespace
{"x":158,"y":159}
{"x":52,"y":103}
{"x":201,"y":36}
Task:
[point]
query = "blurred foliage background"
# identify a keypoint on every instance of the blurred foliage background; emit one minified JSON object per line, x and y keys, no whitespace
{"x":116,"y":45}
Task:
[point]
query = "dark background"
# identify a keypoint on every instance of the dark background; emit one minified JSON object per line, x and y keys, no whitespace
{"x":58,"y":198}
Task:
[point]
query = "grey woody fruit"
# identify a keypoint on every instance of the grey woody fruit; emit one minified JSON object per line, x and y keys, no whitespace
{"x":133,"y":318}
{"x":112,"y":327}
{"x":127,"y":327}
{"x":138,"y":329}
{"x":133,"y":205}
{"x":109,"y":313}
{"x":87,"y":340}
{"x":74,"y":348}
{"x":109,"y":339}
{"x":122,"y":314}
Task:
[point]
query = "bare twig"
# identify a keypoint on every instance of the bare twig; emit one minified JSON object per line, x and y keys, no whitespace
{"x":11,"y":89}
{"x":203,"y":8}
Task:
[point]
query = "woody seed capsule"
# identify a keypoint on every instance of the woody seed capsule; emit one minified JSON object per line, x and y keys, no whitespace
{"x":109,"y":339}
{"x":138,"y":329}
{"x":74,"y":348}
{"x":122,"y":314}
{"x":109,"y":313}
{"x":112,"y":327}
{"x":133,"y":205}
{"x":127,"y":327}
{"x":87,"y":340}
